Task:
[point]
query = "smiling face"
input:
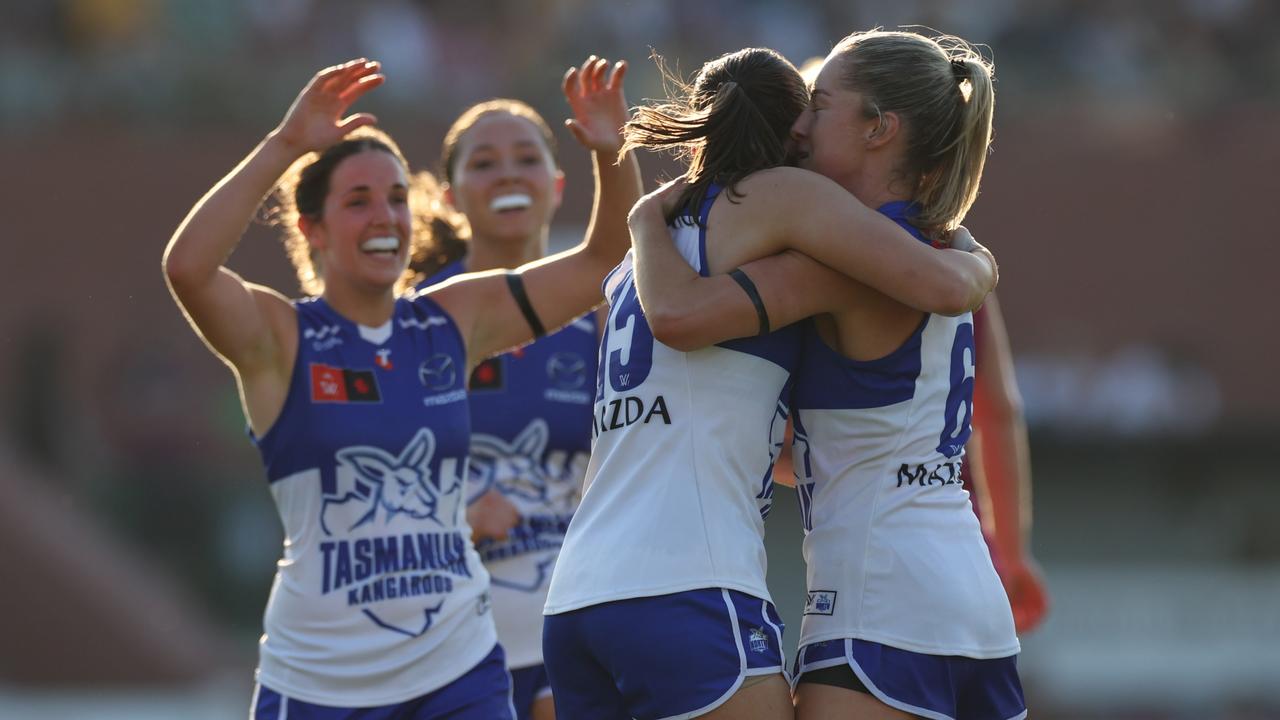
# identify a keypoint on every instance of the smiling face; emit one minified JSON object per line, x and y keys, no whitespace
{"x":831,"y":134}
{"x":362,"y":235}
{"x":503,"y":179}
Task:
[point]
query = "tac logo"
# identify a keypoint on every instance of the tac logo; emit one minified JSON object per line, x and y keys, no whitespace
{"x":567,"y":371}
{"x":383,"y":359}
{"x":514,"y":468}
{"x":820,"y":602}
{"x":374,"y":486}
{"x":438,"y":372}
{"x":759,"y":640}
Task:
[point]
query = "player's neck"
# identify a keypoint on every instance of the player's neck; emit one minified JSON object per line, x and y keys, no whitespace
{"x":878,"y":183}
{"x":363,"y":307}
{"x":491,"y":253}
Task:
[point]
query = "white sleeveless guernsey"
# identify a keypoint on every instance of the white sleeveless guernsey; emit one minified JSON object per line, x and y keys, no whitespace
{"x":379,"y":596}
{"x":680,"y":476}
{"x":894,"y":552}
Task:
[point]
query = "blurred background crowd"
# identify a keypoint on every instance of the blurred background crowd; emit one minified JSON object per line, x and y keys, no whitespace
{"x":184,"y":60}
{"x":1129,"y":198}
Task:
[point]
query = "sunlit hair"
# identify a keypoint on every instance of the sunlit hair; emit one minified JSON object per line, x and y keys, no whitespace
{"x":440,"y":232}
{"x":941,"y":90}
{"x":734,"y":119}
{"x":500,"y":106}
{"x":302,"y":191}
{"x":446,"y":241}
{"x":809,"y":70}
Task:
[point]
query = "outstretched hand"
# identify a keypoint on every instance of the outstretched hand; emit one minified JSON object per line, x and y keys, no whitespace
{"x":316,"y":119}
{"x":599,"y":106}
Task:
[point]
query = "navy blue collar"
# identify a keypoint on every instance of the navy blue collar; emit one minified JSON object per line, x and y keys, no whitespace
{"x":900,"y":209}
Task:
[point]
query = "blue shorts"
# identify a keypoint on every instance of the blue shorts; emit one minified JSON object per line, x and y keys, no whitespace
{"x":939,"y":687}
{"x":483,"y":693}
{"x":669,"y":656}
{"x":528,"y":684}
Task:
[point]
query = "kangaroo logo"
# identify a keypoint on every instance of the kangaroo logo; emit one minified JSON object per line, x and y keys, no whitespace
{"x":516,"y":467}
{"x":820,"y":602}
{"x":527,"y":582}
{"x":386,"y":485}
{"x":429,"y":619}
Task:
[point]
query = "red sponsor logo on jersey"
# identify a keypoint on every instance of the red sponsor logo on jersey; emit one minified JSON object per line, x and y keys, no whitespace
{"x":343,"y":385}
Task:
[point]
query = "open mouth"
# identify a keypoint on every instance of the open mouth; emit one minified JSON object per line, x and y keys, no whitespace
{"x":510,"y":202}
{"x":381,"y":246}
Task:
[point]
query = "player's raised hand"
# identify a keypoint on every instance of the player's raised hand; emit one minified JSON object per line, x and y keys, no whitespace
{"x":317,"y":118}
{"x":594,"y":92}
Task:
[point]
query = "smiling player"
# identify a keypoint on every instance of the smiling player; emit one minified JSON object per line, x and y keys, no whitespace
{"x":356,"y":398}
{"x":531,"y":408}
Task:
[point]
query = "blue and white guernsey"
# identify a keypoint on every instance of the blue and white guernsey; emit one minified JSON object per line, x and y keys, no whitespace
{"x":379,"y":597}
{"x":893,"y":549}
{"x":530,"y":440}
{"x":680,"y":476}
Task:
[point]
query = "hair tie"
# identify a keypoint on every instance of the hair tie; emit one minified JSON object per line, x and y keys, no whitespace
{"x":960,"y":68}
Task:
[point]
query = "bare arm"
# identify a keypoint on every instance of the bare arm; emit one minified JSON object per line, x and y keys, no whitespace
{"x":1002,"y":468}
{"x":688,"y":312}
{"x":248,"y":325}
{"x":799,"y":210}
{"x":563,"y":286}
{"x":784,"y":470}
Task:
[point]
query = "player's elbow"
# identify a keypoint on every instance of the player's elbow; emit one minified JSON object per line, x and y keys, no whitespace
{"x":178,"y":273}
{"x":184,"y":272}
{"x":958,"y":297}
{"x":948,"y":302}
{"x":675,"y":329}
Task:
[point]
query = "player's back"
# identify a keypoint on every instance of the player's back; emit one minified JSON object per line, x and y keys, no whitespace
{"x":893,"y":550}
{"x":680,"y":476}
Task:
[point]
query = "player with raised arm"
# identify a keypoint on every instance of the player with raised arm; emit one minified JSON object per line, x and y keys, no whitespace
{"x":356,"y":398}
{"x":530,"y":408}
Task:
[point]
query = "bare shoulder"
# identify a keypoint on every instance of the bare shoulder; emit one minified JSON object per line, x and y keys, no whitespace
{"x":787,"y":182}
{"x":276,"y":349}
{"x":469,"y":296}
{"x":277,"y":309}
